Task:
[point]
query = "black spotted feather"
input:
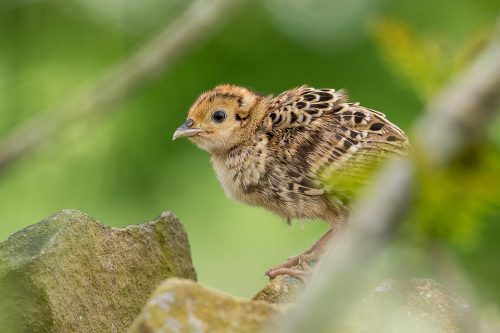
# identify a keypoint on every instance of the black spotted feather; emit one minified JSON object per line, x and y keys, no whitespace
{"x":334,"y":145}
{"x":301,"y":154}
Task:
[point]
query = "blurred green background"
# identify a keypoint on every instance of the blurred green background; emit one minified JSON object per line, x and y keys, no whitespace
{"x":124,"y":168}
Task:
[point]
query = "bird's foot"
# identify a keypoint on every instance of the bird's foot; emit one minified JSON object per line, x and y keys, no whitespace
{"x":289,"y":267}
{"x":312,"y":255}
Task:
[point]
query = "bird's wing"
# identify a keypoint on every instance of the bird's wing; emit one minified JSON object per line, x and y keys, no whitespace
{"x":301,"y":106}
{"x":337,"y":144}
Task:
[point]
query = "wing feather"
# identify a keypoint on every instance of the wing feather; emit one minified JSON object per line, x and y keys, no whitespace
{"x":338,"y":144}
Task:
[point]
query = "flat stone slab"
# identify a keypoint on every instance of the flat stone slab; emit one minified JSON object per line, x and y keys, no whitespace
{"x":70,"y":273}
{"x":179,"y":306}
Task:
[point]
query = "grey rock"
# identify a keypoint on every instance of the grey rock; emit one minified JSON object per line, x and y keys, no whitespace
{"x":182,"y":306}
{"x":414,"y":305}
{"x":70,"y":273}
{"x":283,"y":289}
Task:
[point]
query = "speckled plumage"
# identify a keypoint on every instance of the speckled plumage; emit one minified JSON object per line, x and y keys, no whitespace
{"x":292,"y":147}
{"x":301,"y":154}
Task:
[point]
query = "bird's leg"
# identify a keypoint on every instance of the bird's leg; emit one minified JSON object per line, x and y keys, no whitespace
{"x":311,"y":254}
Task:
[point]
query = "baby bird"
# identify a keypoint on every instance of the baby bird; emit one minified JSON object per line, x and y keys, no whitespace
{"x":301,"y":154}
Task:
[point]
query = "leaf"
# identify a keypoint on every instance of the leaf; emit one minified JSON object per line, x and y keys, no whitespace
{"x":425,"y":63}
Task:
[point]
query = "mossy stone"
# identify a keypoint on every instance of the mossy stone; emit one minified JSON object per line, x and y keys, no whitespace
{"x":70,"y":273}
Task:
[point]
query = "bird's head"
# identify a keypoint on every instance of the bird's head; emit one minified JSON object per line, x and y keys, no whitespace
{"x":221,"y":118}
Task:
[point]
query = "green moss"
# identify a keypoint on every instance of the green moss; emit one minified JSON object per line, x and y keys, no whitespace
{"x":69,"y":273}
{"x":184,"y":306}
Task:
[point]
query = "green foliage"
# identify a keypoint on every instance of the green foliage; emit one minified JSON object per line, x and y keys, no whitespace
{"x":125,"y":169}
{"x":453,"y":202}
{"x":424,"y":62}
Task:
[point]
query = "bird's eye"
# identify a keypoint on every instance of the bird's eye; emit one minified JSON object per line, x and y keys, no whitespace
{"x":218,"y":116}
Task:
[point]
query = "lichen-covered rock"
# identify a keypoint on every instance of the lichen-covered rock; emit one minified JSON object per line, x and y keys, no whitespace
{"x":283,"y":289}
{"x":182,"y":306}
{"x":415,"y":305}
{"x":70,"y":273}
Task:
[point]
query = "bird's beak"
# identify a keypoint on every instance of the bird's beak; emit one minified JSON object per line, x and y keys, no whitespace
{"x":186,"y":130}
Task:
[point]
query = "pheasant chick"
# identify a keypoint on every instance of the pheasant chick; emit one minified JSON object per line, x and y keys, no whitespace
{"x":301,"y":154}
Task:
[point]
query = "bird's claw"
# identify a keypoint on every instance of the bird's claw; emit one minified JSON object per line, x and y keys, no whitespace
{"x":289,"y":267}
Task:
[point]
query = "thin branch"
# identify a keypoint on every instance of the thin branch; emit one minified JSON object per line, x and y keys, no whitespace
{"x":154,"y":59}
{"x":457,"y":116}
